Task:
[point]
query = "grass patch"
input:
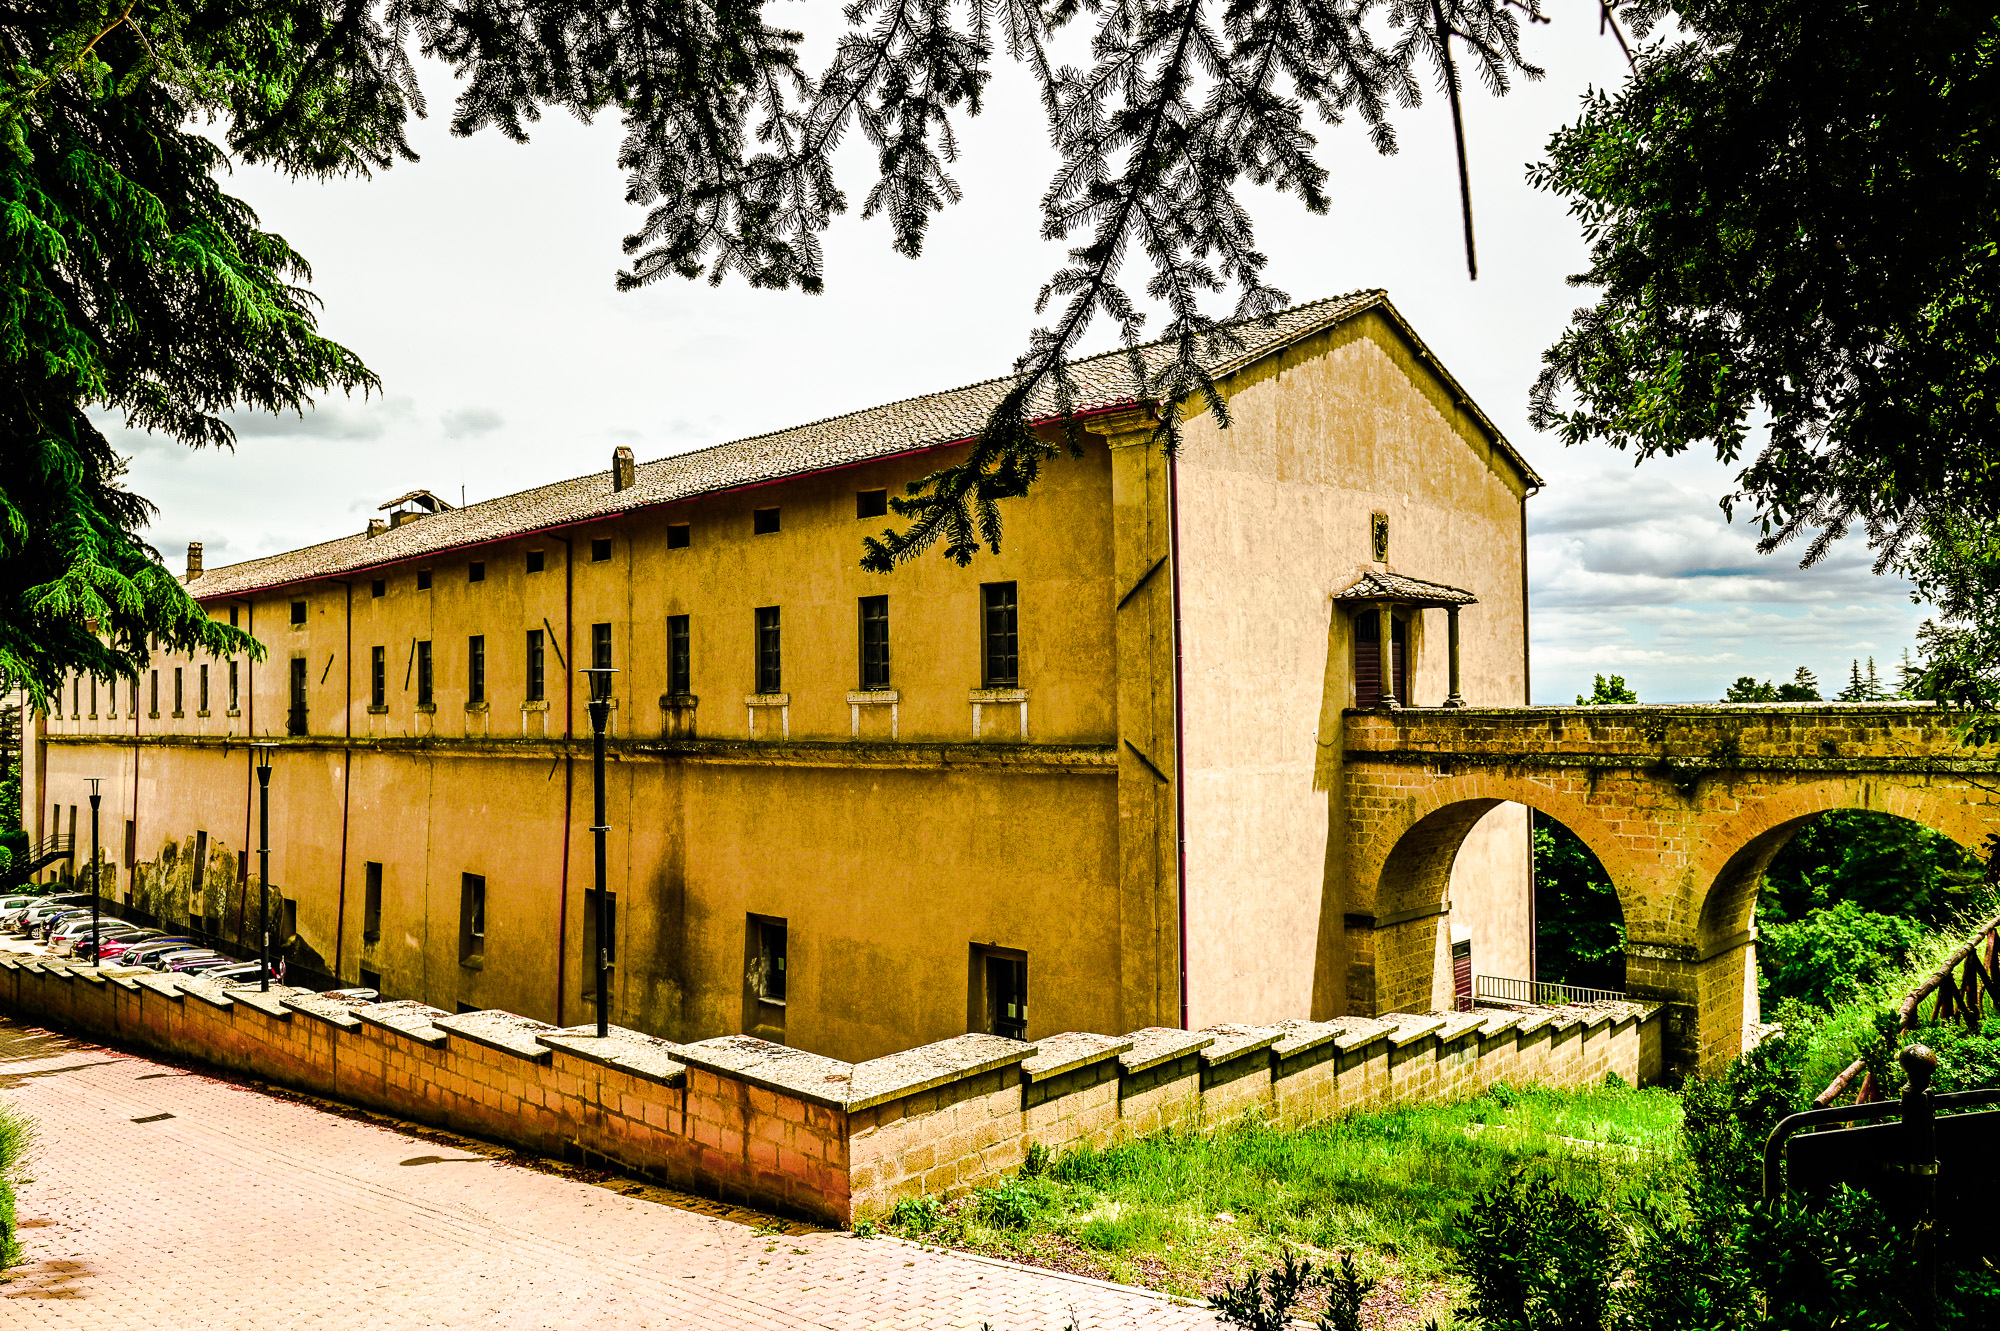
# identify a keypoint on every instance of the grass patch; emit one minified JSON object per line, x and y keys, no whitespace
{"x":16,"y":1130}
{"x":1181,"y":1212}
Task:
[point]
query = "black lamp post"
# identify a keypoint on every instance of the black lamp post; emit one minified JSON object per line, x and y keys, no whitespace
{"x":600,"y":713}
{"x":94,"y":960}
{"x":263,"y":752}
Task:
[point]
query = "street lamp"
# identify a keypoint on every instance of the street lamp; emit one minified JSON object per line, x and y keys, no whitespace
{"x":95,"y":960}
{"x":263,"y":753}
{"x":600,"y":712}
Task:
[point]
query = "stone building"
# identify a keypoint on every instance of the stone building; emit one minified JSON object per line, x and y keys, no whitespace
{"x":1082,"y":784}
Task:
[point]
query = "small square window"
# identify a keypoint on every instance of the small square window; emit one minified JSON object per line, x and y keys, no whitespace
{"x":871,"y":503}
{"x":677,"y":536}
{"x":423,"y":579}
{"x":600,"y":549}
{"x":764,"y":521}
{"x":298,"y":612}
{"x":475,"y":571}
{"x":371,"y":980}
{"x":379,"y":587}
{"x":535,"y":561}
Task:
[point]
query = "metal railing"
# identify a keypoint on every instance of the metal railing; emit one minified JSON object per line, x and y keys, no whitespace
{"x":1961,"y":990}
{"x":1501,"y":989}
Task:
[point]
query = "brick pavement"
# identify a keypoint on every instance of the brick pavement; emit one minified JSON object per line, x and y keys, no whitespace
{"x":241,"y":1209}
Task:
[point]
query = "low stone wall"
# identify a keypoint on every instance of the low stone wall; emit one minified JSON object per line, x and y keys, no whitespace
{"x":750,"y":1121}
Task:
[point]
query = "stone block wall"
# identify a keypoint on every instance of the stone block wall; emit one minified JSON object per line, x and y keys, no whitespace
{"x":779,"y":1128}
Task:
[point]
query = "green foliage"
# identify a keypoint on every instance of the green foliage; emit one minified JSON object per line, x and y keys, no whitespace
{"x":1019,"y":1202}
{"x":1876,"y":861}
{"x":1538,"y":1259}
{"x":1579,"y":925}
{"x":1747,"y":196}
{"x":1968,"y":1060}
{"x":1610,"y":691}
{"x":1832,"y":956}
{"x":1864,"y":685}
{"x":16,"y":1132}
{"x":1803,"y":686}
{"x":1266,"y":1301}
{"x":917,"y":1215}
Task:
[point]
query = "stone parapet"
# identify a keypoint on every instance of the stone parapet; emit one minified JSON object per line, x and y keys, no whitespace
{"x":790,"y":1131}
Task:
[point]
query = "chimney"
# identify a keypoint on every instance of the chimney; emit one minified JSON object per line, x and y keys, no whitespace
{"x":194,"y":560}
{"x":403,"y":515}
{"x":624,"y":472}
{"x":376,"y":526}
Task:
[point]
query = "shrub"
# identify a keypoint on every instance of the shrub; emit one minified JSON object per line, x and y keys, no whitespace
{"x":1537,"y":1259}
{"x":1968,"y":1060}
{"x":919,"y":1215}
{"x":16,"y":1130}
{"x":1833,"y":956}
{"x":1266,"y":1301}
{"x":1017,"y":1203}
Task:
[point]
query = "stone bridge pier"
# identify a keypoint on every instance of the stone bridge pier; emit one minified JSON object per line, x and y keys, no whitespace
{"x":1684,"y":806}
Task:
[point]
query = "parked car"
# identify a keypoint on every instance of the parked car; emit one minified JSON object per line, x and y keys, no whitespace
{"x":68,"y":931}
{"x":10,"y":906}
{"x":48,"y":922}
{"x":113,"y":943}
{"x":143,"y":954}
{"x":241,"y":973}
{"x":197,"y":959}
{"x":25,"y":923}
{"x":66,"y":941}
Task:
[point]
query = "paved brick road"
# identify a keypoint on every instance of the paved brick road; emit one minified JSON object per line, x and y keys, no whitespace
{"x":164,"y":1200}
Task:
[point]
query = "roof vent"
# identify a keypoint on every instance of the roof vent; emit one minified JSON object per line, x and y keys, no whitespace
{"x":194,"y":560}
{"x":420,"y":503}
{"x":624,"y":472}
{"x":376,"y":526}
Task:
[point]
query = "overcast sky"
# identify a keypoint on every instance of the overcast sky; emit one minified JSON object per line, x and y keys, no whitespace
{"x":478,"y":284}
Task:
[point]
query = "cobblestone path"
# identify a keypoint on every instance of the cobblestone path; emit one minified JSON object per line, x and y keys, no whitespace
{"x":163,"y":1199}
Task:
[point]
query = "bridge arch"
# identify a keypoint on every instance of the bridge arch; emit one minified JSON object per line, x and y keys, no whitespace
{"x":1398,"y":905}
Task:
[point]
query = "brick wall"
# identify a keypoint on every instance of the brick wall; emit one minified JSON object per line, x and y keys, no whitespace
{"x":793,"y":1132}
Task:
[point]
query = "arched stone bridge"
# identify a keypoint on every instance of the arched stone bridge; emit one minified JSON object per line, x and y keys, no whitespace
{"x":1684,"y":806}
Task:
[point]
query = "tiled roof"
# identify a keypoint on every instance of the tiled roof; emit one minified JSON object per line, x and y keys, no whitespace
{"x":932,"y":420}
{"x":1373,"y":586}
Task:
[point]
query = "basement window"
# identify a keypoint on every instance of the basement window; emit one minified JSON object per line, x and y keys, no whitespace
{"x":600,"y":549}
{"x":535,"y":561}
{"x":423,"y":579}
{"x":475,"y":571}
{"x":871,"y":503}
{"x":769,"y":941}
{"x":764,"y":521}
{"x":678,"y":534}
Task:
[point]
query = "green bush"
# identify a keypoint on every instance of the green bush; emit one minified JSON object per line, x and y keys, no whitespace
{"x":1018,"y":1203}
{"x":16,"y":1130}
{"x":1833,"y":956}
{"x":919,"y":1215}
{"x":1968,"y":1060}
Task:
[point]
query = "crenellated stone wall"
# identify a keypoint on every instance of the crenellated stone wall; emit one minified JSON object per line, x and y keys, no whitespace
{"x":744,"y":1119}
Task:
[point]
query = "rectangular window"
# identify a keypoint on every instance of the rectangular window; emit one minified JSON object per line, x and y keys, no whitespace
{"x":534,"y":561}
{"x":680,"y":678}
{"x":295,"y":720}
{"x":1000,"y":634}
{"x":199,"y":874}
{"x":298,"y":613}
{"x":874,"y":642}
{"x":767,"y":963}
{"x":1005,"y":982}
{"x":536,"y":689}
{"x":93,"y":692}
{"x":600,"y":549}
{"x":423,"y":579}
{"x":475,"y":571}
{"x":764,"y":521}
{"x":371,"y":980}
{"x":424,"y":680}
{"x":379,"y":587}
{"x":154,"y":694}
{"x":378,"y":676}
{"x":233,"y":706}
{"x":134,"y":709}
{"x":371,"y":907}
{"x":232,"y":616}
{"x":472,"y":917}
{"x":589,"y":967}
{"x":203,"y":692}
{"x":475,"y":668}
{"x":678,"y":535}
{"x":600,"y":647}
{"x":180,"y":696}
{"x":770,"y":679}
{"x":871,"y":503}
{"x":76,"y":695}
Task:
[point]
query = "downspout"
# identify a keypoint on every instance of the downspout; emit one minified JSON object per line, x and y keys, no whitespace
{"x":132,"y":869}
{"x":1528,"y":700}
{"x":569,"y":772}
{"x":346,"y":773}
{"x":249,"y":764}
{"x":1180,"y":730}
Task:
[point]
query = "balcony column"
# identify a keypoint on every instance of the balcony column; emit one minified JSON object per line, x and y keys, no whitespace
{"x":1451,"y":619}
{"x":1387,"y":660}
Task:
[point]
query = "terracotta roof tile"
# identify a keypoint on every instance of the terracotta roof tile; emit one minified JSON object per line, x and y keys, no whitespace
{"x":1373,"y":586}
{"x":928,"y":421}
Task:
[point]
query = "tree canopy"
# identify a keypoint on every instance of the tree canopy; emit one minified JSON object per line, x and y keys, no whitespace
{"x":1790,"y":207}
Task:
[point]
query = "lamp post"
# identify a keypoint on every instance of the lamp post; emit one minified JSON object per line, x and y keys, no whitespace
{"x":94,"y":944}
{"x":263,"y":752}
{"x":600,"y":712}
